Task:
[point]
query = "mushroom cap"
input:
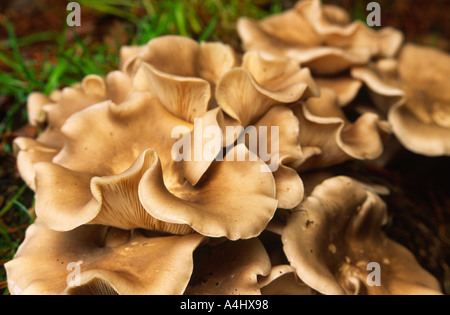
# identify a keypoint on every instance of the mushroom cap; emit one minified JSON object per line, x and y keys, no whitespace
{"x":328,"y":42}
{"x":327,"y":137}
{"x":428,"y":104}
{"x":131,"y":180}
{"x":55,"y":110}
{"x":109,"y":262}
{"x":345,"y":87}
{"x":35,"y":105}
{"x":336,"y":232}
{"x":283,"y":280}
{"x":230,"y":268}
{"x":285,"y":148}
{"x":30,"y":152}
{"x":180,"y":56}
{"x":92,"y":90}
{"x":246,"y":93}
{"x":414,"y":91}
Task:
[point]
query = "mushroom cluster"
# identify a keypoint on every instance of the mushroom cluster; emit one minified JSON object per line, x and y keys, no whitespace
{"x":118,"y":212}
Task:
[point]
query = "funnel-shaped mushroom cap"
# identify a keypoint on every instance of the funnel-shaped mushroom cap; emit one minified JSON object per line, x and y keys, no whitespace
{"x":334,"y":238}
{"x":123,"y":174}
{"x":230,"y":268}
{"x":100,"y":260}
{"x":318,"y":36}
{"x":327,"y":137}
{"x":415,"y":93}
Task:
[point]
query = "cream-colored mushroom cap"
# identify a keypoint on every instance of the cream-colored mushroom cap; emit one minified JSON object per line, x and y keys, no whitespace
{"x":283,"y":280}
{"x":230,"y":268}
{"x":423,"y":124}
{"x":335,"y":234}
{"x":328,"y":137}
{"x":122,"y":174}
{"x":53,"y":111}
{"x":318,"y":36}
{"x":246,"y":93}
{"x":414,"y":92}
{"x":101,"y":260}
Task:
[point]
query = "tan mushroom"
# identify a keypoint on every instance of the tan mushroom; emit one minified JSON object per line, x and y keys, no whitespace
{"x":414,"y":92}
{"x":180,"y":72}
{"x":29,"y":152}
{"x":283,"y":280}
{"x":344,"y":86}
{"x":92,"y":90}
{"x":253,"y":95}
{"x":285,"y":149}
{"x":319,"y":37}
{"x":181,"y":57}
{"x":101,"y":260}
{"x":332,"y":238}
{"x":56,"y":109}
{"x":35,"y":105}
{"x":246,"y":93}
{"x":231,"y":268}
{"x":131,"y":180}
{"x":328,"y":137}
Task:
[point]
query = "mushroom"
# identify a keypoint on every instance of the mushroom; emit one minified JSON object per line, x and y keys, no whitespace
{"x":335,"y":235}
{"x":230,"y":268}
{"x":285,"y":149}
{"x":180,"y":72}
{"x":256,"y":95}
{"x":131,"y":181}
{"x":283,"y":280}
{"x":319,"y":37}
{"x":328,"y":137}
{"x":92,"y":90}
{"x":246,"y":93}
{"x":346,"y":87}
{"x":54,"y":111}
{"x":414,"y":92}
{"x":180,"y":56}
{"x":101,"y":260}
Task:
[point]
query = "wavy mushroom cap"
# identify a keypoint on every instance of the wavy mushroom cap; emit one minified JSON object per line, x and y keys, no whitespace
{"x":246,"y":93}
{"x":283,"y":280}
{"x":414,"y":91}
{"x":92,"y":90}
{"x":132,"y":181}
{"x":53,"y":111}
{"x":334,"y":235}
{"x":180,"y":72}
{"x":328,"y":137}
{"x":345,"y":87}
{"x":181,"y":57}
{"x":109,"y":261}
{"x":230,"y":268}
{"x":318,"y":36}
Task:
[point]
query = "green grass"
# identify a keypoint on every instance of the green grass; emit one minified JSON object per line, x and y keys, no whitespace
{"x":68,"y":61}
